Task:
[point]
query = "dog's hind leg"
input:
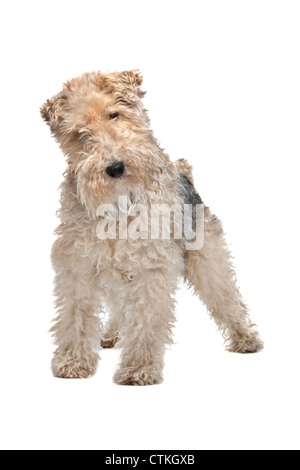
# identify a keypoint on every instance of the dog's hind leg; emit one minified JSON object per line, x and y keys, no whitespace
{"x":210,"y":272}
{"x":111,"y":333}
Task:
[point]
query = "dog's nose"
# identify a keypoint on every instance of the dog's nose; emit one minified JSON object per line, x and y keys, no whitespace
{"x":115,"y":170}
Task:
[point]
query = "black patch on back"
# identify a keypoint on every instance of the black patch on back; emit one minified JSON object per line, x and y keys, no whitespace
{"x":189,"y":193}
{"x":190,"y":196}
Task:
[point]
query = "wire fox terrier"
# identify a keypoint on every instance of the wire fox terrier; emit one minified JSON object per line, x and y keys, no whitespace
{"x":115,"y":165}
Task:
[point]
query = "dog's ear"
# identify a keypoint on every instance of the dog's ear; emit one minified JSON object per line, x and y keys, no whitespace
{"x":51,"y":110}
{"x":133,"y":79}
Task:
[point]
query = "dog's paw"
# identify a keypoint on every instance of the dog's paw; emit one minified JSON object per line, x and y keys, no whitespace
{"x":137,"y":377}
{"x":109,"y":343}
{"x":67,"y":367}
{"x":246,"y":344}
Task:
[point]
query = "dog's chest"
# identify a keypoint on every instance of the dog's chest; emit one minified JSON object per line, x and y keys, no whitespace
{"x":125,"y":261}
{"x":134,"y":255}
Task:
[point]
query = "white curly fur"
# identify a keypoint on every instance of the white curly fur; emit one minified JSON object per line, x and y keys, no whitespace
{"x":135,"y":280}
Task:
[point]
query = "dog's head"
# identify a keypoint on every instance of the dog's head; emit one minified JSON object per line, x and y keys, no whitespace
{"x":103,"y":128}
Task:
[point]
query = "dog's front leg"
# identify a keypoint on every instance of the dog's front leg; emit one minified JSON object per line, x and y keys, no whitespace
{"x":146,"y":329}
{"x":77,"y":327}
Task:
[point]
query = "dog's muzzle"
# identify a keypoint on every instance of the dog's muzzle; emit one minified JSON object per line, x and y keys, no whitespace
{"x":116,"y":170}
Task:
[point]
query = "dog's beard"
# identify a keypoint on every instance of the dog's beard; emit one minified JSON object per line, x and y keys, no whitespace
{"x":126,"y":188}
{"x":143,"y":180}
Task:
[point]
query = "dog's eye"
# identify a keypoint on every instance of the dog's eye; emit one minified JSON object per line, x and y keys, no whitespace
{"x":114,"y":116}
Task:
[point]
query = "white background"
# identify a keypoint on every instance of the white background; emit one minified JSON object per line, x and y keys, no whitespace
{"x":223,"y":82}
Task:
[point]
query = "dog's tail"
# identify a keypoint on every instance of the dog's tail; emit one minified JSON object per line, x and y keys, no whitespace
{"x":185,"y":168}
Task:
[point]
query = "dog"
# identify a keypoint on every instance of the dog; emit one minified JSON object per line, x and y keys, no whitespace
{"x":102,"y":127}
